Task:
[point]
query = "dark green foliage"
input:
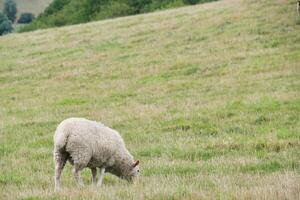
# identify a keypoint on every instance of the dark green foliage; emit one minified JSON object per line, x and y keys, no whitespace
{"x":26,"y":18}
{"x":10,"y":9}
{"x":5,"y":24}
{"x":193,"y":2}
{"x":67,"y":12}
{"x":55,"y":6}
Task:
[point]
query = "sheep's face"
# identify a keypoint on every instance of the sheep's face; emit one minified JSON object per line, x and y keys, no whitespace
{"x":134,"y":172}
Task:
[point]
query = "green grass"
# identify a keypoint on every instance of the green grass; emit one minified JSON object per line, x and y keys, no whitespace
{"x":206,"y":97}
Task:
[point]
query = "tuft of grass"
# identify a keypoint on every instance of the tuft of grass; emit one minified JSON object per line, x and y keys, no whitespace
{"x":68,"y":102}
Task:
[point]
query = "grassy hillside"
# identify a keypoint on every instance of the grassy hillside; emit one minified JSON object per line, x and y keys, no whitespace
{"x":33,"y":6}
{"x":207,"y":97}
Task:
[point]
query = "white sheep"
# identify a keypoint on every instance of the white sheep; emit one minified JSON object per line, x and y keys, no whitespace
{"x":86,"y":143}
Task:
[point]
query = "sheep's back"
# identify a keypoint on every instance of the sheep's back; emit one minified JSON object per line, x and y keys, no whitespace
{"x":90,"y":140}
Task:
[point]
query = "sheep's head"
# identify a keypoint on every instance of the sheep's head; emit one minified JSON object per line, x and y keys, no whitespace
{"x":125,"y":171}
{"x":133,"y":171}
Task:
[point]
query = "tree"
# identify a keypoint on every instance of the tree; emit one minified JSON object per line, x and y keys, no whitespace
{"x":5,"y":24}
{"x":10,"y":9}
{"x":26,"y":18}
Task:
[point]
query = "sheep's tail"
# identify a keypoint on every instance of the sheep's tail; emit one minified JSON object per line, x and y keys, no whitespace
{"x":60,"y":138}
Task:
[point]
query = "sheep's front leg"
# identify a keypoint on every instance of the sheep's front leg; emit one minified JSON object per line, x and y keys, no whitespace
{"x":94,"y":175}
{"x":101,"y":176}
{"x":76,"y":173}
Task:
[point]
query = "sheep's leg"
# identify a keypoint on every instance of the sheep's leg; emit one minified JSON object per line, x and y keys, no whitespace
{"x":60,"y":161}
{"x":76,"y":172}
{"x":102,"y":172}
{"x":94,"y":175}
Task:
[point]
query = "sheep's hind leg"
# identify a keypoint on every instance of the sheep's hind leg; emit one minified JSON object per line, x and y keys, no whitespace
{"x":60,"y":161}
{"x":94,"y":175}
{"x":76,"y":172}
{"x":102,"y":172}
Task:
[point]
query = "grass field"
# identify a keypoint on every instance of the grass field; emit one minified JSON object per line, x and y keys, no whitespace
{"x":206,"y":97}
{"x":33,"y":6}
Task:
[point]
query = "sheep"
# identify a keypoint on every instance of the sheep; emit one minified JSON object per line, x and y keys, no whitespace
{"x":86,"y":143}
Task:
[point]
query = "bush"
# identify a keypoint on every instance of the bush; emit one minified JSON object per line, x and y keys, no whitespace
{"x":10,"y":9}
{"x":113,"y":9}
{"x":193,"y":2}
{"x":5,"y":24}
{"x":26,"y":18}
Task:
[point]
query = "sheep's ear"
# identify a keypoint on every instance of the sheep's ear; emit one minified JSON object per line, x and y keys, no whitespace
{"x":136,"y":163}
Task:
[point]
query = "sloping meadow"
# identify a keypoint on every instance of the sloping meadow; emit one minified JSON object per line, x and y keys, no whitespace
{"x":206,"y":97}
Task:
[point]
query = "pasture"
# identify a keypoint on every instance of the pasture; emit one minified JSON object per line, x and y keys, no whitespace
{"x":205,"y":96}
